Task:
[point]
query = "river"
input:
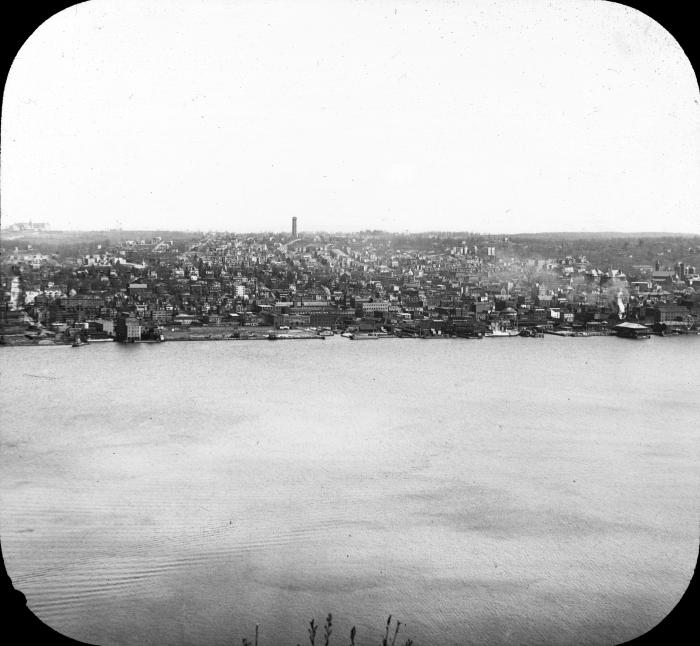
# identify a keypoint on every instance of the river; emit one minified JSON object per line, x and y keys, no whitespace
{"x":494,"y":491}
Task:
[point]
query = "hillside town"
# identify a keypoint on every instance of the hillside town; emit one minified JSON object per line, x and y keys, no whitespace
{"x":107,"y":286}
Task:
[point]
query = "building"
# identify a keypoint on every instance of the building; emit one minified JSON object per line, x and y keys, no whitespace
{"x":632,"y":330}
{"x":669,"y":318}
{"x":375,"y":306}
{"x":294,"y":227}
{"x":184,"y":319}
{"x":664,"y":313}
{"x":106,"y":325}
{"x":663,"y":278}
{"x":127,"y":329}
{"x":319,"y":316}
{"x":28,"y":226}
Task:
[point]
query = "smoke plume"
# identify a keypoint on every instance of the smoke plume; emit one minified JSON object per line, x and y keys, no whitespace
{"x":617,"y":295}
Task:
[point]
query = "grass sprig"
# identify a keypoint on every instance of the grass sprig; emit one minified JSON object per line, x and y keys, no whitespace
{"x":313,"y":627}
{"x":328,"y":630}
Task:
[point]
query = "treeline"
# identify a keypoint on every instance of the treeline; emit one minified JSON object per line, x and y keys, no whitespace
{"x":618,"y":251}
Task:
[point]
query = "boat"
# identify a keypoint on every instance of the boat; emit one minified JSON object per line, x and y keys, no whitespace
{"x":502,"y":333}
{"x":348,"y":335}
{"x":469,"y":334}
{"x":531,"y":332}
{"x":77,"y":343}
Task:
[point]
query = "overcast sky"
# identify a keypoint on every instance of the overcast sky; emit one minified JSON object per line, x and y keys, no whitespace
{"x":503,"y":116}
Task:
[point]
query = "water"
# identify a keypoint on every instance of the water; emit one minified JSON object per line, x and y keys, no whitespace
{"x":495,"y":491}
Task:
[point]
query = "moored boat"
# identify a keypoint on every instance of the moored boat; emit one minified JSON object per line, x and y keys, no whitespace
{"x":501,"y":333}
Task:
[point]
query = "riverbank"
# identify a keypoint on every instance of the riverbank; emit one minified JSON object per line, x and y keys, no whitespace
{"x":272,"y":334}
{"x":260,"y":333}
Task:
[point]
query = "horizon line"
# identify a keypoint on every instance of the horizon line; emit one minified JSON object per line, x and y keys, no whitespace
{"x":359,"y":231}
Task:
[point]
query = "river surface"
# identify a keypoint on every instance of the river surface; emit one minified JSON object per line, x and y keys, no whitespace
{"x":494,"y":491}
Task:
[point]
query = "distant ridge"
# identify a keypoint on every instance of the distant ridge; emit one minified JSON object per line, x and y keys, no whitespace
{"x":142,"y":233}
{"x":603,"y":234}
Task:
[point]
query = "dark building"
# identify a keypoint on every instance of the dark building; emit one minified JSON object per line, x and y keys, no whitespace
{"x":665,"y":313}
{"x":669,"y":318}
{"x":294,"y":227}
{"x":127,"y":328}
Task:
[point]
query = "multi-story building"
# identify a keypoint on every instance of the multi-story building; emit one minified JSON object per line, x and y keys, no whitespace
{"x":127,"y":328}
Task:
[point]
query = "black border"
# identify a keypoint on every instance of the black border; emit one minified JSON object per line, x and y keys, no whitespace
{"x":21,"y":626}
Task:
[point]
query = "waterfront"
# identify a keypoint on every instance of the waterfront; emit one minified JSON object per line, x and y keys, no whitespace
{"x":489,"y":492}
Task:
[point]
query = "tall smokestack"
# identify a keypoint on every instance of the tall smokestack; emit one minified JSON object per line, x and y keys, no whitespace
{"x":294,"y":227}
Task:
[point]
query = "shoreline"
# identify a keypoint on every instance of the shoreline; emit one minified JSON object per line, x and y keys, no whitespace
{"x":47,"y":343}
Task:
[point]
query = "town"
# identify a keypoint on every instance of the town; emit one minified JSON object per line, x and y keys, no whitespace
{"x":77,"y":288}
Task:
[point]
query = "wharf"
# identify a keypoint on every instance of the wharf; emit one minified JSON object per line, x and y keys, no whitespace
{"x":251,"y":337}
{"x":578,"y":333}
{"x":294,"y":338}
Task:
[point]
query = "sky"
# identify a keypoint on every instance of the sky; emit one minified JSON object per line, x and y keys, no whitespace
{"x":411,"y":115}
